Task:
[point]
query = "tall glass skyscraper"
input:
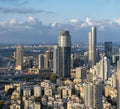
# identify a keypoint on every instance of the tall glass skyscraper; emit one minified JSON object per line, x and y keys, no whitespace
{"x":92,"y":46}
{"x":64,"y":46}
{"x":108,"y":50}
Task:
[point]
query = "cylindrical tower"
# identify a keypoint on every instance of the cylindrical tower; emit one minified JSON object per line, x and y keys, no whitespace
{"x":64,"y":45}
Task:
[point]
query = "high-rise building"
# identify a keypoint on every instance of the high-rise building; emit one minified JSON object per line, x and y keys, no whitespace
{"x":118,"y":82}
{"x":103,"y":68}
{"x":55,"y":60}
{"x":49,"y":58}
{"x":64,"y":45}
{"x":92,"y":46}
{"x":93,"y":95}
{"x":19,"y":57}
{"x":41,"y":61}
{"x":108,"y":50}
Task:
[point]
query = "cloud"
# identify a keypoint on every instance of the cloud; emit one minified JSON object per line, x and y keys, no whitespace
{"x":33,"y":30}
{"x":88,"y":21}
{"x":117,"y":20}
{"x":74,"y":21}
{"x":15,"y":2}
{"x":31,"y":19}
{"x":12,"y":21}
{"x":20,"y":10}
{"x":8,"y":0}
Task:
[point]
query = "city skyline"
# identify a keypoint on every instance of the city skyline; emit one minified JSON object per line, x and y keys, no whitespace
{"x":37,"y":21}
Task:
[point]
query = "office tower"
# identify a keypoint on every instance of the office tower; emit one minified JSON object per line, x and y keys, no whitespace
{"x":92,"y":46}
{"x":19,"y":57}
{"x":49,"y":59}
{"x":64,"y":45}
{"x":41,"y":61}
{"x":108,"y":50}
{"x":55,"y":60}
{"x":93,"y":95}
{"x":118,"y":82}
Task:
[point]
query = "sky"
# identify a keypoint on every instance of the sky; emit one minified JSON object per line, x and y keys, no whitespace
{"x":40,"y":21}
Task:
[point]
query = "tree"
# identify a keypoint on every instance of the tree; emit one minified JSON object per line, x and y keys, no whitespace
{"x":1,"y":104}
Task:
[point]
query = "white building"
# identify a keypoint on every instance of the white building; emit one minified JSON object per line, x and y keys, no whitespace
{"x":103,"y":68}
{"x":92,"y":46}
{"x":55,"y":60}
{"x":45,"y":83}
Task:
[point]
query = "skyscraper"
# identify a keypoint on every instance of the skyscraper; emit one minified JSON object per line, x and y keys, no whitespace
{"x":108,"y":50}
{"x":103,"y":68}
{"x":55,"y":60}
{"x":41,"y":59}
{"x":49,"y":59}
{"x":92,"y":46}
{"x":118,"y":82}
{"x":19,"y":57}
{"x":64,"y":46}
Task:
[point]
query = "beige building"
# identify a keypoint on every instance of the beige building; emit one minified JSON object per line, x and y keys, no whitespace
{"x":110,"y":91}
{"x":15,"y":95}
{"x":48,"y":91}
{"x":37,"y":91}
{"x":15,"y":106}
{"x":19,"y":57}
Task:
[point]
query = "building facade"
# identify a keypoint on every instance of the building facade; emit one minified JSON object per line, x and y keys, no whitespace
{"x":92,"y":46}
{"x":55,"y":60}
{"x":108,"y":50}
{"x":93,"y":95}
{"x":19,"y":57}
{"x":64,"y":46}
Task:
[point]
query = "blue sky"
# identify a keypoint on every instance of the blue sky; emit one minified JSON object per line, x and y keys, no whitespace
{"x":42,"y":20}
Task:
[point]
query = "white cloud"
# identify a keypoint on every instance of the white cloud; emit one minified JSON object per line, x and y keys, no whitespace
{"x":117,"y":20}
{"x":31,"y":19}
{"x":36,"y":29}
{"x":74,"y":21}
{"x":88,"y":21}
{"x":12,"y":21}
{"x":54,"y":24}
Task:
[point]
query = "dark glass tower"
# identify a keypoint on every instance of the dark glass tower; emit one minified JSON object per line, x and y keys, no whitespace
{"x":64,"y":46}
{"x":108,"y":50}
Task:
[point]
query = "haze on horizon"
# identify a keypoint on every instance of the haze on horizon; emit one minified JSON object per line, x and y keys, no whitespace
{"x":29,"y":21}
